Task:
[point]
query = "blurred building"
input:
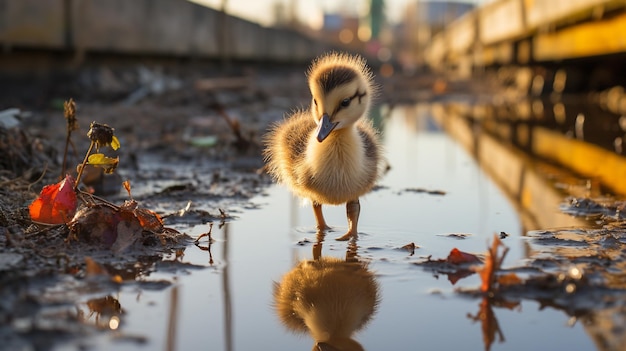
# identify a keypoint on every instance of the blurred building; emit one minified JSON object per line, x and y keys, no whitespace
{"x":422,"y":20}
{"x":342,"y":29}
{"x":357,"y":29}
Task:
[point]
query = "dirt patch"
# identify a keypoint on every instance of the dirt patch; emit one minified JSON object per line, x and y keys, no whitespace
{"x":191,"y":150}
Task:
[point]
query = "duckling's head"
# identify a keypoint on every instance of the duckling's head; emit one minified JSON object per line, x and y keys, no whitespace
{"x":342,"y":88}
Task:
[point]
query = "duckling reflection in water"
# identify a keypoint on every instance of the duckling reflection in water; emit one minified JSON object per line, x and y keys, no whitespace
{"x":329,"y":153}
{"x":329,"y":298}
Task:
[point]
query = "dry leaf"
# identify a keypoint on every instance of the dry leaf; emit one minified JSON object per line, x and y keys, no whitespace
{"x":493,"y":262}
{"x":113,"y":228}
{"x":149,"y":220}
{"x":457,"y":256}
{"x":509,"y":279}
{"x":94,"y":268}
{"x":109,"y":164}
{"x":126,"y":185}
{"x":56,"y":203}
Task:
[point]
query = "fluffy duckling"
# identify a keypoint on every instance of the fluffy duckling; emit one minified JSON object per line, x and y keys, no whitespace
{"x":329,"y":298}
{"x":329,"y":153}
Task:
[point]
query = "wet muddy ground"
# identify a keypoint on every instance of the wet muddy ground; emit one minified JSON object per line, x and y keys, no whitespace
{"x":191,"y":154}
{"x":190,"y":147}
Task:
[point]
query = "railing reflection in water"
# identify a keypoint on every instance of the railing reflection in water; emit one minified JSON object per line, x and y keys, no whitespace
{"x":540,"y":153}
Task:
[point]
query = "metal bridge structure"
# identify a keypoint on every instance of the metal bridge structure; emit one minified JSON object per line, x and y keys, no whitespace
{"x":585,"y":38}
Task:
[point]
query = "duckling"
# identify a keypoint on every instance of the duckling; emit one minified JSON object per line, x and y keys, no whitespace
{"x":330,"y":299}
{"x":329,"y":153}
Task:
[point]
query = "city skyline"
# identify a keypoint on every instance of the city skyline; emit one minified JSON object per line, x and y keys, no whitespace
{"x":308,"y":12}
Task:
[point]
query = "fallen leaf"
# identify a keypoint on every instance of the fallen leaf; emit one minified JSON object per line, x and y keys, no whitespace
{"x":509,"y":279}
{"x":149,"y":220}
{"x":457,"y":256}
{"x":94,"y":268}
{"x":128,"y":231}
{"x":95,"y":224}
{"x":116,"y":228}
{"x":126,"y":185}
{"x":109,"y":164}
{"x":107,"y":306}
{"x":493,"y":263}
{"x":410,"y":248}
{"x":56,"y":203}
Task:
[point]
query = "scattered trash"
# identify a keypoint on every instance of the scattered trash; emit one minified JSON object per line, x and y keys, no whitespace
{"x":410,"y":248}
{"x":153,"y":83}
{"x":204,"y":141}
{"x":9,"y":118}
{"x":586,"y":207}
{"x":225,"y":83}
{"x":457,"y":235}
{"x":422,"y":190}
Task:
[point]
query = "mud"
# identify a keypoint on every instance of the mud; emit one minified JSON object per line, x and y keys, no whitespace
{"x":192,"y":153}
{"x":191,"y":150}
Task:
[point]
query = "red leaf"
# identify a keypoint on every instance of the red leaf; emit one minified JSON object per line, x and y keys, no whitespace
{"x":493,"y":263}
{"x":149,"y":220}
{"x":457,"y":256}
{"x":56,"y":203}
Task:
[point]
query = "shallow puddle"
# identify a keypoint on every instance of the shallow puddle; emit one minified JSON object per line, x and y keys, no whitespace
{"x":435,"y":195}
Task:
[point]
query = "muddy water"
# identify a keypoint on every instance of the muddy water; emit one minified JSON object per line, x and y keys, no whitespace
{"x":435,"y":195}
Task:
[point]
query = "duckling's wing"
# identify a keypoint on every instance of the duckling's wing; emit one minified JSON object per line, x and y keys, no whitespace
{"x":286,"y":144}
{"x":373,"y":152}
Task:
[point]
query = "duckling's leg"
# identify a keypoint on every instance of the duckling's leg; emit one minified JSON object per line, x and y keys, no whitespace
{"x":319,"y":217}
{"x":353,"y":209}
{"x":317,"y":247}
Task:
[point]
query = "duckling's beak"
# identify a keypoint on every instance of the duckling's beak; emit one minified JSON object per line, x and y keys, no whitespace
{"x":324,"y":127}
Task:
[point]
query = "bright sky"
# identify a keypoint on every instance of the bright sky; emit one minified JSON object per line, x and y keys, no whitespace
{"x":309,"y":11}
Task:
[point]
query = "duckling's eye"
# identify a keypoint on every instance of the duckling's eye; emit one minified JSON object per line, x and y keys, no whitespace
{"x":315,"y":102}
{"x":345,"y":102}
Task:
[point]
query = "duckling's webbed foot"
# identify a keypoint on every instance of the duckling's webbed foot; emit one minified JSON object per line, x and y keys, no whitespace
{"x":353,"y":209}
{"x":319,"y":217}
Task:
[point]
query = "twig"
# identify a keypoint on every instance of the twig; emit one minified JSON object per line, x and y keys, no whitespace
{"x":45,"y":169}
{"x":44,"y":230}
{"x":241,"y":143}
{"x":95,"y":197}
{"x":10,"y":181}
{"x":69,"y":111}
{"x":83,"y":165}
{"x":206,"y":234}
{"x":208,"y":247}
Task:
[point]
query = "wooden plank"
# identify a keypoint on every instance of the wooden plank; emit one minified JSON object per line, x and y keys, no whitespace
{"x":544,"y":13}
{"x":462,"y":33}
{"x":584,"y":158}
{"x":501,"y":20}
{"x":584,"y":40}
